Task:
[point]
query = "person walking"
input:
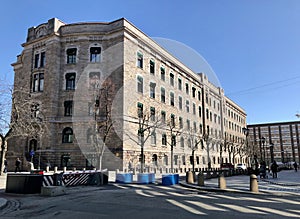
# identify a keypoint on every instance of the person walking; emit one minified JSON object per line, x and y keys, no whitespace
{"x":274,"y":168}
{"x":18,"y":163}
{"x":295,"y":166}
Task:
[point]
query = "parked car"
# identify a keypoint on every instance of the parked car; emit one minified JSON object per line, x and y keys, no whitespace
{"x":241,"y":166}
{"x":227,"y":166}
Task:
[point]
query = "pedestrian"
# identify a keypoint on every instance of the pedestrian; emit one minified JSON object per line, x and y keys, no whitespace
{"x":295,"y":166}
{"x":18,"y":163}
{"x":263,"y":170}
{"x":274,"y":168}
{"x":5,"y":166}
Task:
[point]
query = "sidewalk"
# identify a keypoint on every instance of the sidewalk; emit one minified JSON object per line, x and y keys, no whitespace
{"x":288,"y":181}
{"x":3,"y":201}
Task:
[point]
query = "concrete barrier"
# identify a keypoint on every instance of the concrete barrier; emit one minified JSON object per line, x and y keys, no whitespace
{"x":53,"y":190}
{"x":200,"y":179}
{"x":253,"y":183}
{"x":222,"y":182}
{"x":190,"y":177}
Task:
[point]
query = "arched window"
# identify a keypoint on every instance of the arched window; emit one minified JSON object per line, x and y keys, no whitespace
{"x":154,"y":159}
{"x":67,"y":135}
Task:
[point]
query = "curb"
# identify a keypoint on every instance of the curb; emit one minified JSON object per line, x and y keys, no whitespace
{"x":3,"y":203}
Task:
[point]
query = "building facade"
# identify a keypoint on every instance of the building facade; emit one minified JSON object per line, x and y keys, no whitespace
{"x":276,"y":141}
{"x":106,"y":91}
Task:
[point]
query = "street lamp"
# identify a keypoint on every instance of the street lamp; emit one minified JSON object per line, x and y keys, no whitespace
{"x":263,"y":141}
{"x":206,"y":138}
{"x":246,"y":132}
{"x":271,"y":151}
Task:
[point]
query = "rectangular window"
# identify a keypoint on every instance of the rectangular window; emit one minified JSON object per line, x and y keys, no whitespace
{"x":179,"y":84}
{"x":71,"y":55}
{"x":68,"y":107}
{"x":193,"y":92}
{"x":180,"y":102}
{"x":152,"y":90}
{"x":153,"y":138}
{"x":199,"y":111}
{"x":195,"y":127}
{"x":173,"y":140}
{"x":187,"y":88}
{"x":180,"y":122}
{"x":43,"y":59}
{"x":194,"y":108}
{"x":152,"y":67}
{"x":140,"y":110}
{"x":152,"y":114}
{"x":187,"y":105}
{"x":70,"y":81}
{"x":139,"y":60}
{"x":171,"y":98}
{"x":182,"y":145}
{"x":188,"y":124}
{"x":140,"y":84}
{"x":95,"y":54}
{"x":162,"y":74}
{"x":36,"y":60}
{"x":199,"y":95}
{"x":162,"y":95}
{"x":164,"y":139}
{"x":38,"y":82}
{"x":172,"y":120}
{"x":163,"y":117}
{"x":171,"y":79}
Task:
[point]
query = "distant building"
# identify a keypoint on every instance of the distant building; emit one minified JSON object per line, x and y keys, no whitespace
{"x":62,"y":73}
{"x":278,"y":141}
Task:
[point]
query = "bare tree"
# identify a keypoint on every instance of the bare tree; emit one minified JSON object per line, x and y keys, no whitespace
{"x":5,"y":109}
{"x":173,"y":133}
{"x":194,"y":139}
{"x":147,"y":123}
{"x":102,"y":124}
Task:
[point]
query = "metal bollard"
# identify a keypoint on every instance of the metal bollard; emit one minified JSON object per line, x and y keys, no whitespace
{"x":190,"y":177}
{"x":47,"y":169}
{"x":222,"y":182}
{"x":55,"y":169}
{"x":200,"y":179}
{"x":65,"y":169}
{"x":253,"y":183}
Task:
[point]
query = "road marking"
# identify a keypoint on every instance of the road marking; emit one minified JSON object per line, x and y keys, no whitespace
{"x":166,"y":188}
{"x":274,"y":211}
{"x":121,"y":187}
{"x":257,"y":200}
{"x":242,"y":209}
{"x":185,"y":207}
{"x":293,"y":210}
{"x":140,"y":192}
{"x":157,"y":193}
{"x":286,"y":201}
{"x":140,"y":186}
{"x":205,"y":196}
{"x":177,"y":194}
{"x":205,"y":206}
{"x":227,"y":197}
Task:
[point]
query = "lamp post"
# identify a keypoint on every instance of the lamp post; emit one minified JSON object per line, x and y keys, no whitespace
{"x":246,"y":132}
{"x":206,"y":138}
{"x":263,"y":141}
{"x":271,"y":151}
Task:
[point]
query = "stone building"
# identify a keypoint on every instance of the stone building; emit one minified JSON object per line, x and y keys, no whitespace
{"x":73,"y":79}
{"x":277,"y":141}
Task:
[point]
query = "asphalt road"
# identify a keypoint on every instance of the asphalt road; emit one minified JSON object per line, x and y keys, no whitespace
{"x":150,"y":201}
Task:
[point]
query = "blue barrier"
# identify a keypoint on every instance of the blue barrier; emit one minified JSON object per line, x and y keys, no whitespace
{"x":151,"y":177}
{"x":170,"y":179}
{"x":124,"y":178}
{"x":143,"y":178}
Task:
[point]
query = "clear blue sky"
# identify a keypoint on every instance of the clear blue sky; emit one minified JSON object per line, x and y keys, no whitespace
{"x":253,"y":46}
